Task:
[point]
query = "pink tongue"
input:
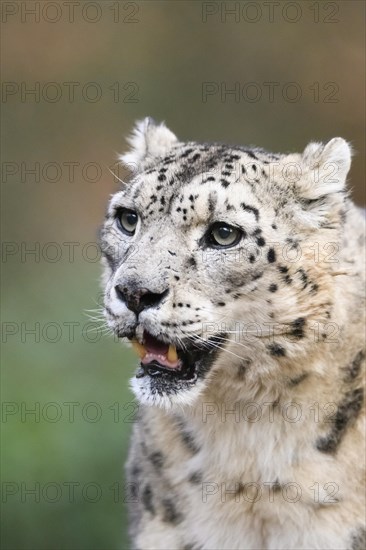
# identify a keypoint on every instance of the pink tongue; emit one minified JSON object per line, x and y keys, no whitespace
{"x":152,"y":345}
{"x":156,"y":351}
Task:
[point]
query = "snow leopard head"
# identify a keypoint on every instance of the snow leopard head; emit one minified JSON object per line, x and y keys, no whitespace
{"x":209,"y":258}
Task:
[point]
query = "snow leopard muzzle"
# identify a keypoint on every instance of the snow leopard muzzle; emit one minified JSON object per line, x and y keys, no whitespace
{"x":165,"y":361}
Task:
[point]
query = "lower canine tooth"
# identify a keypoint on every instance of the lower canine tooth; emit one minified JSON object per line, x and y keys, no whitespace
{"x":172,"y":354}
{"x":139,"y":348}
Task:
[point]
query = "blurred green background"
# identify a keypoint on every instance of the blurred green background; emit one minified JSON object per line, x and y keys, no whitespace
{"x":126,"y":60}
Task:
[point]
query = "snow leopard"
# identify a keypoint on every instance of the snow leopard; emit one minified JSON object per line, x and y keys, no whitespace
{"x":237,"y":276}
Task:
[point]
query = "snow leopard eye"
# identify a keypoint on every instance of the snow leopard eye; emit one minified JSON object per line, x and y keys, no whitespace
{"x":127,"y":221}
{"x":223,"y":235}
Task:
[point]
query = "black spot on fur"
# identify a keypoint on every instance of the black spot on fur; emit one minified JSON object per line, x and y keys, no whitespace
{"x":135,"y":472}
{"x":186,"y":437}
{"x":359,"y":539}
{"x":187,"y":173}
{"x":186,"y":153}
{"x":224,"y":183}
{"x":210,"y":164}
{"x":261,"y":241}
{"x":251,"y":154}
{"x":276,"y":350}
{"x":271,"y":255}
{"x":273,"y":287}
{"x":276,"y":486}
{"x":293,"y":243}
{"x":212,"y":200}
{"x":296,"y":381}
{"x":285,"y":276}
{"x":144,"y":448}
{"x":147,"y":500}
{"x":346,"y":414}
{"x":195,"y":478}
{"x":191,"y":262}
{"x":161,"y":177}
{"x":157,"y":460}
{"x":171,"y":514}
{"x":297,"y":327}
{"x":242,"y":369}
{"x":252,"y":209}
{"x":353,"y":370}
{"x":304,"y":277}
{"x":189,"y":442}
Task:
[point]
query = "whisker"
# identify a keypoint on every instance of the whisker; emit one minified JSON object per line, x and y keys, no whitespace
{"x":221,"y":348}
{"x":117,"y":178}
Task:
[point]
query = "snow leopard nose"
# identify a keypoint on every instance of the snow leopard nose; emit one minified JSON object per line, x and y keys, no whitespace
{"x":139,"y":299}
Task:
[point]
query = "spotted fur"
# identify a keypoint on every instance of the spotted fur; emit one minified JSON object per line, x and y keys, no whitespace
{"x":264,"y":449}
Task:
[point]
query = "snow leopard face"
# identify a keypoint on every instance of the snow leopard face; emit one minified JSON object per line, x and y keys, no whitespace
{"x":207,"y":262}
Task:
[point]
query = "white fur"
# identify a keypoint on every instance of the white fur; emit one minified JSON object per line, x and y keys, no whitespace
{"x":329,"y":165}
{"x":147,"y":140}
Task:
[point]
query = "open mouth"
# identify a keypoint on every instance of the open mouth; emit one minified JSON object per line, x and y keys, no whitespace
{"x":159,"y":359}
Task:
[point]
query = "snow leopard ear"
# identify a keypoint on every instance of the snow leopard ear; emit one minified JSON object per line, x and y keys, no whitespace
{"x":320,"y":181}
{"x":325,"y":169}
{"x":148,"y":140}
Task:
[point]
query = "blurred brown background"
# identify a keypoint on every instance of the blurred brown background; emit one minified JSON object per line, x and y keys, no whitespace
{"x":296,"y":73}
